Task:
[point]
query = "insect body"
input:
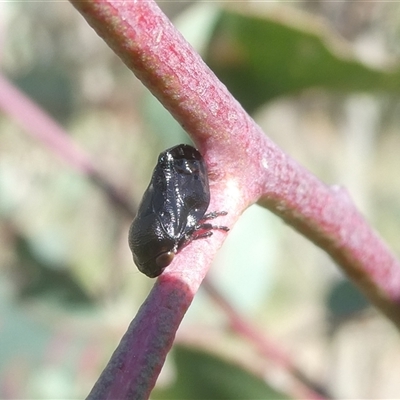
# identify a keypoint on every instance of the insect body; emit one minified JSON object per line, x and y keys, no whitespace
{"x":172,"y":210}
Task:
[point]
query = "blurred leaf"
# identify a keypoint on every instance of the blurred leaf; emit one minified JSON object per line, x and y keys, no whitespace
{"x":51,"y":88}
{"x":15,"y":324}
{"x":165,"y":128}
{"x":197,"y":24}
{"x":345,"y":300}
{"x":202,"y":376}
{"x":40,"y":353}
{"x":37,"y":277}
{"x":249,"y":255}
{"x":263,"y":56}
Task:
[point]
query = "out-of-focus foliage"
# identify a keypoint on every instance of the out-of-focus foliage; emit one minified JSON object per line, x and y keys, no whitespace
{"x":344,"y":300}
{"x":68,"y":287}
{"x":261,"y":56}
{"x":200,"y":375}
{"x":39,"y":277}
{"x":54,"y":92}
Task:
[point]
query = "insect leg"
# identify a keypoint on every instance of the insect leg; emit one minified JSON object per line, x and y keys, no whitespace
{"x":213,"y":214}
{"x":196,"y":236}
{"x":208,"y":227}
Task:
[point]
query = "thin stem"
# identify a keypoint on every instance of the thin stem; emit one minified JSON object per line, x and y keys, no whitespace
{"x":266,"y":346}
{"x":47,"y":131}
{"x":245,"y":167}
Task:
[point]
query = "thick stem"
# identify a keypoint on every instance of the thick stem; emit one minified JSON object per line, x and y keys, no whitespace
{"x":244,"y":167}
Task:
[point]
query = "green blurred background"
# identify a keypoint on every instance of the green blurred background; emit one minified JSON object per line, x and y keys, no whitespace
{"x":321,"y":78}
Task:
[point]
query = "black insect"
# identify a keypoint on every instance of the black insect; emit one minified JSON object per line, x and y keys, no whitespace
{"x":172,"y":211}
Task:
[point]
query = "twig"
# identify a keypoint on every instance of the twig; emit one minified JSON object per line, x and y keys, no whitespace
{"x":245,"y":167}
{"x":42,"y":127}
{"x":265,"y":345}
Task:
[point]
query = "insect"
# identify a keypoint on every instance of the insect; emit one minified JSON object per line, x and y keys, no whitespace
{"x":172,"y":210}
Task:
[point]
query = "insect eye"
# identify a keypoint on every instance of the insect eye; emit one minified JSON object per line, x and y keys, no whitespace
{"x":164,"y":259}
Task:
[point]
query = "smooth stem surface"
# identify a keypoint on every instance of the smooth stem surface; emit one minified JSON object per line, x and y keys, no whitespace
{"x":244,"y":167}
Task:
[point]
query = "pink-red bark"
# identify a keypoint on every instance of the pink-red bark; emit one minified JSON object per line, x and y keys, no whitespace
{"x":245,"y":167}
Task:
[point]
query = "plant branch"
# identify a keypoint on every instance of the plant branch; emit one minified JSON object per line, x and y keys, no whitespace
{"x":42,"y":127}
{"x":244,"y":167}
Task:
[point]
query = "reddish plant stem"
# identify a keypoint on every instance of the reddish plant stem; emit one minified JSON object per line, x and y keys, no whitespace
{"x":269,"y":349}
{"x":42,"y":127}
{"x":244,"y":166}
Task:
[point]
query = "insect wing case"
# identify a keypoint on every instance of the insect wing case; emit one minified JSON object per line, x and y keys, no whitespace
{"x":187,"y":191}
{"x":146,"y":237}
{"x":173,"y":204}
